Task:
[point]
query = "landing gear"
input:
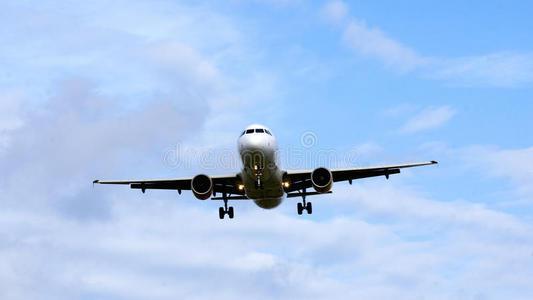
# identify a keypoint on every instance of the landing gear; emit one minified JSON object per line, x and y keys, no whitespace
{"x":222,"y":211}
{"x":259,"y":185}
{"x":304,"y":205}
{"x":258,"y":172}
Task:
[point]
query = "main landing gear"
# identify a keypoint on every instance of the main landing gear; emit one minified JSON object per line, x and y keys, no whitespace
{"x":305,"y":205}
{"x":222,"y":211}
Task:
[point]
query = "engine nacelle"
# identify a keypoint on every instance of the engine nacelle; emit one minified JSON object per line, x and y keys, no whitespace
{"x":202,"y":186}
{"x":322,"y":180}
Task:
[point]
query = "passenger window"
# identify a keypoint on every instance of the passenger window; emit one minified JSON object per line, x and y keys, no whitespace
{"x":259,"y":131}
{"x":249,"y":131}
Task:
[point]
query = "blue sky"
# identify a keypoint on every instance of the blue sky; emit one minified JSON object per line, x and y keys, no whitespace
{"x":116,"y":90}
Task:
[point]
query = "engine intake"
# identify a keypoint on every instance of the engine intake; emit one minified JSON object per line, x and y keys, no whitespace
{"x":322,"y":180}
{"x":202,"y":186}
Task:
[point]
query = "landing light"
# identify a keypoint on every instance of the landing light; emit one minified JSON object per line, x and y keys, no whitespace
{"x":241,"y":187}
{"x":286,"y":184}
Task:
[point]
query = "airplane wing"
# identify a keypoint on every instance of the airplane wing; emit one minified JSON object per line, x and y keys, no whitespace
{"x":221,"y":184}
{"x":302,"y":179}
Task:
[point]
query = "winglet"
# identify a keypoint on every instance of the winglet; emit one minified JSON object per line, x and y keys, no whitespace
{"x":96,"y":181}
{"x":434,"y":162}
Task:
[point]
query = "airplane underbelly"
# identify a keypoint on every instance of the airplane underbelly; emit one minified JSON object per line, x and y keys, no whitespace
{"x":268,"y":203}
{"x":270,"y":196}
{"x":267,"y":192}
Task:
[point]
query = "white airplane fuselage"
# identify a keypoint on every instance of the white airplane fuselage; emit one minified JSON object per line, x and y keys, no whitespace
{"x":261,"y":176}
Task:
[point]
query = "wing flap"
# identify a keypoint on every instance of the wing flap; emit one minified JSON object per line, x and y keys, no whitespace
{"x":351,"y":175}
{"x":177,"y":185}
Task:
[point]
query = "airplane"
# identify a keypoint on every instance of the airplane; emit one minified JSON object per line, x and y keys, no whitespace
{"x":261,"y":179}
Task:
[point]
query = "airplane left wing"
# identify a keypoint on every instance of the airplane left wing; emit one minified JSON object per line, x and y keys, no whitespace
{"x":221,"y":184}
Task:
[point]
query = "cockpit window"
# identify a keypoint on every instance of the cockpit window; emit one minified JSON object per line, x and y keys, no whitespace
{"x":243,"y":133}
{"x":248,"y":131}
{"x":259,"y":130}
{"x":268,"y":132}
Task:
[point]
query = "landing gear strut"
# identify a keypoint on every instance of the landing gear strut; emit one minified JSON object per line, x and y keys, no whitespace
{"x":222,"y":211}
{"x":258,"y":173}
{"x":304,"y":205}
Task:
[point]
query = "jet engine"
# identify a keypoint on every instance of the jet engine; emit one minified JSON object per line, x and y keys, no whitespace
{"x":202,"y":186}
{"x":322,"y":180}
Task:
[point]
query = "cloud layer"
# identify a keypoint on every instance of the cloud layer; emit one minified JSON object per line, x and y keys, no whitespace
{"x":375,"y":43}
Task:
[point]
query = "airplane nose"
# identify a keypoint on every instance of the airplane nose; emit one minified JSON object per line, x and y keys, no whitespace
{"x":254,"y":143}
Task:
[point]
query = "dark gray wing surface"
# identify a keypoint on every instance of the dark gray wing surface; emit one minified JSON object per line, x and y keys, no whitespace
{"x":302,"y":179}
{"x":222,"y":183}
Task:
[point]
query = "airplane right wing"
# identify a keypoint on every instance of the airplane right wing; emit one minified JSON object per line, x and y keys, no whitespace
{"x":302,"y":179}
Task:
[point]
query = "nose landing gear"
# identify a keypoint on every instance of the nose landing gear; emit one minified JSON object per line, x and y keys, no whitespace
{"x":258,"y":172}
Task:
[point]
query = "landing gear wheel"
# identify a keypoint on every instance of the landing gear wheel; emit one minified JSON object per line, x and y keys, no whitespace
{"x":221,"y":213}
{"x":300,"y":208}
{"x":230,"y":212}
{"x":309,"y":208}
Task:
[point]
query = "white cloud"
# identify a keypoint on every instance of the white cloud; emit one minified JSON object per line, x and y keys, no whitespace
{"x":403,"y":203}
{"x":335,"y":11}
{"x":514,"y":164}
{"x":506,"y":173}
{"x":144,"y":250}
{"x":517,"y":163}
{"x":10,"y":117}
{"x":429,"y":118}
{"x":501,"y":69}
{"x":10,"y":110}
{"x":181,"y":63}
{"x":497,"y":69}
{"x":375,"y":43}
{"x":146,"y":90}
